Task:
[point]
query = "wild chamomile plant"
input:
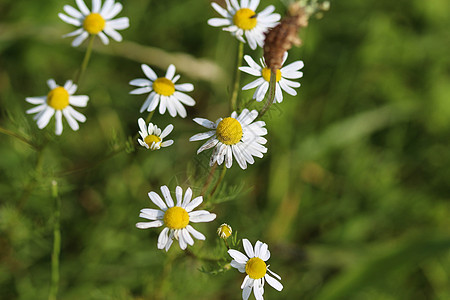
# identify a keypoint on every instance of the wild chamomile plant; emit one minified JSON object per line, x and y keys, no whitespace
{"x":238,"y":136}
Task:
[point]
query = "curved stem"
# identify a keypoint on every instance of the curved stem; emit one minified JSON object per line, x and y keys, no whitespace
{"x":208,"y":179}
{"x":19,"y":137}
{"x":271,"y":94}
{"x":237,"y":77}
{"x":85,"y":62}
{"x":56,"y":243}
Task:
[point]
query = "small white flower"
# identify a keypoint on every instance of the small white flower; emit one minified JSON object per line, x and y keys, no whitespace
{"x":152,"y":137}
{"x":243,"y":20}
{"x":290,"y":71}
{"x":163,"y":91}
{"x":233,"y":136}
{"x":58,"y":102}
{"x":176,"y":218}
{"x":254,"y":264}
{"x":98,"y":21}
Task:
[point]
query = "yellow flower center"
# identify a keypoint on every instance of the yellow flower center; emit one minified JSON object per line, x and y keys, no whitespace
{"x":176,"y":218}
{"x":224,"y":231}
{"x":266,"y":74}
{"x":229,"y":131}
{"x":58,"y":98}
{"x":255,"y":268}
{"x":245,"y":18}
{"x":149,"y":139}
{"x":94,"y":23}
{"x":164,"y":86}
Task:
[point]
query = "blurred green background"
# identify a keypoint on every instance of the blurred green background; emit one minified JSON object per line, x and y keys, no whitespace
{"x":352,"y":196}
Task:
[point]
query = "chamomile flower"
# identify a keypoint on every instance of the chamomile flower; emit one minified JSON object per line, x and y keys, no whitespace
{"x":176,"y":218}
{"x":290,"y":71}
{"x":224,"y":231}
{"x":163,"y":91}
{"x":233,"y":136}
{"x":253,"y":262}
{"x":58,"y":102}
{"x":96,"y":22}
{"x":152,"y":137}
{"x":243,"y":20}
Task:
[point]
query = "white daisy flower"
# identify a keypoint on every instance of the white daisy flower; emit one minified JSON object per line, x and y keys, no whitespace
{"x":98,"y":21}
{"x":176,"y":218}
{"x":243,"y":20}
{"x":254,"y":264}
{"x":58,"y":102}
{"x":152,"y":137}
{"x":290,"y":71}
{"x":163,"y":91}
{"x":233,"y":136}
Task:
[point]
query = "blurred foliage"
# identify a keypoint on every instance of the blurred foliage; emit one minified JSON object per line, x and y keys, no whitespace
{"x":352,"y":196}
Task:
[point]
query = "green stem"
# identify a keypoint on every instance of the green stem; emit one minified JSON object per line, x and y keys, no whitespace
{"x":271,"y":94}
{"x":222,"y":175}
{"x":87,"y":55}
{"x":56,"y":243}
{"x":237,"y":77}
{"x":208,"y":179}
{"x":19,"y":137}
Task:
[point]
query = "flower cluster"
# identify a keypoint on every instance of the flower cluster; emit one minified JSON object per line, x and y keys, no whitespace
{"x":238,"y":136}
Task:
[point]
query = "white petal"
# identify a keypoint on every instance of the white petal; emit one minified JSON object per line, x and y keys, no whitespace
{"x":96,"y":6}
{"x":217,"y":22}
{"x":260,"y":92}
{"x":154,"y":103}
{"x":141,"y":90}
{"x":141,"y":82}
{"x":205,"y":123}
{"x":78,"y":116}
{"x":250,"y":71}
{"x":36,"y":100}
{"x":257,"y":291}
{"x":163,"y":238}
{"x":254,"y":4}
{"x":112,"y":33}
{"x":58,"y":126}
{"x":80,"y":100}
{"x":274,"y":274}
{"x":208,"y":144}
{"x":82,"y":7}
{"x":240,"y":267}
{"x":187,"y":237}
{"x":103,"y":38}
{"x":201,"y":216}
{"x":187,"y":198}
{"x":186,"y":99}
{"x":106,"y":7}
{"x":253,"y":84}
{"x":72,"y":12}
{"x":273,"y":282}
{"x":79,"y":39}
{"x":72,"y":122}
{"x":151,"y":214}
{"x":166,"y":131}
{"x":74,"y":33}
{"x":179,"y":194}
{"x":166,"y":193}
{"x":198,"y":235}
{"x":120,"y":23}
{"x":202,"y":136}
{"x":185,"y":87}
{"x":194,"y":203}
{"x":295,"y":66}
{"x":114,"y":11}
{"x":223,"y":12}
{"x":37,"y":109}
{"x":248,"y":248}
{"x":179,"y":107}
{"x":157,"y":200}
{"x":170,"y":72}
{"x":51,"y":83}
{"x":145,"y":225}
{"x":45,"y":117}
{"x":69,"y":20}
{"x":238,"y":256}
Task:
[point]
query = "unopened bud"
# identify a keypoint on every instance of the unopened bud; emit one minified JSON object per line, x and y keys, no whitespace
{"x":224,"y":231}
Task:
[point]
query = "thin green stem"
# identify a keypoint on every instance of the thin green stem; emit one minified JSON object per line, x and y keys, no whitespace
{"x":226,"y":244}
{"x":222,"y":175}
{"x":208,"y":179}
{"x":271,"y":94}
{"x":86,"y":58}
{"x":19,"y":137}
{"x":237,"y":77}
{"x":56,"y":243}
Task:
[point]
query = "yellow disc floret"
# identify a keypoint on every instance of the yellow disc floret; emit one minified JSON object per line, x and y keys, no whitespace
{"x":150,"y":139}
{"x":164,"y":86}
{"x":255,"y":268}
{"x":266,"y":74}
{"x":58,"y":98}
{"x":245,"y":18}
{"x":224,"y":231}
{"x":229,"y":131}
{"x":94,"y":23}
{"x":176,"y":218}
